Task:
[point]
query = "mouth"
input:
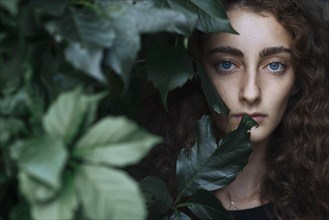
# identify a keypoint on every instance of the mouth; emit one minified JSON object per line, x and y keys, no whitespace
{"x":256,"y":116}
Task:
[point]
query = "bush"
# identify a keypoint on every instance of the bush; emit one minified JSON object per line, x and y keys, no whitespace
{"x":72,"y":72}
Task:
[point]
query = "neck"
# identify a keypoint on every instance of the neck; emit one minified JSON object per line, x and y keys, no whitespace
{"x":245,"y":190}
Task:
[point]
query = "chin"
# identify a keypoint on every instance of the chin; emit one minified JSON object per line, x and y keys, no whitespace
{"x":258,"y":136}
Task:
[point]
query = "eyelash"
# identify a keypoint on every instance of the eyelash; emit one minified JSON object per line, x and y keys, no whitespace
{"x":282,"y":67}
{"x":222,"y":62}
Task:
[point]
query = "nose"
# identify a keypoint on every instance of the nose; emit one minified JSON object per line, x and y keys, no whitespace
{"x":250,"y":92}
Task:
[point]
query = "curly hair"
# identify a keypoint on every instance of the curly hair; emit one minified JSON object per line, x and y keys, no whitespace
{"x":297,"y":181}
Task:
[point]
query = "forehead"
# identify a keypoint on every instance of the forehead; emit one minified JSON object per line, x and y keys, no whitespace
{"x":256,"y":31}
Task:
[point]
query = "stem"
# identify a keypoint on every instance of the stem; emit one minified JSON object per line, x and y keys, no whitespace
{"x":182,"y":205}
{"x":140,"y":61}
{"x":177,"y":213}
{"x":72,"y":164}
{"x":180,"y":195}
{"x":85,"y":3}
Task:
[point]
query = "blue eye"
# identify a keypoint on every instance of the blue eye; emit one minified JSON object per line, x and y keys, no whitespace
{"x":224,"y":66}
{"x":276,"y":67}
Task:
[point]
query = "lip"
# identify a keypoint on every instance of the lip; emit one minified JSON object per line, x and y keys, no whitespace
{"x":256,"y":116}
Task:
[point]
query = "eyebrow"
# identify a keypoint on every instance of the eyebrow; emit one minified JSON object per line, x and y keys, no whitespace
{"x":226,"y":50}
{"x":238,"y":53}
{"x":273,"y":50}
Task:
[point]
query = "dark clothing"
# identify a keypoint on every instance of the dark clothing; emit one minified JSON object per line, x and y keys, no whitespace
{"x":264,"y":212}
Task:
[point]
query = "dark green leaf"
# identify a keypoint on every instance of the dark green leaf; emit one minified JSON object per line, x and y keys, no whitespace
{"x":122,"y":55}
{"x":156,"y":193}
{"x":205,"y":205}
{"x":210,"y":166}
{"x":15,"y":104}
{"x":9,"y":128}
{"x":211,"y":94}
{"x":210,"y":14}
{"x":129,"y":22}
{"x":186,"y":7}
{"x":88,"y":31}
{"x":43,"y":158}
{"x":86,"y":58}
{"x":2,"y":36}
{"x":109,"y":194}
{"x":115,"y":141}
{"x":53,"y":8}
{"x":169,"y":68}
{"x":11,"y":72}
{"x":21,"y":211}
{"x":150,"y":20}
{"x":85,"y":26}
{"x":177,"y":215}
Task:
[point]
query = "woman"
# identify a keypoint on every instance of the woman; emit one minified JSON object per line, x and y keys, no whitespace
{"x":276,"y":71}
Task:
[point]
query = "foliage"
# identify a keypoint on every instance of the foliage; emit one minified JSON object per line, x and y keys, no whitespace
{"x":72,"y":73}
{"x":206,"y":167}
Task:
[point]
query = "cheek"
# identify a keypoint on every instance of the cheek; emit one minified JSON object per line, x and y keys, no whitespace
{"x":226,"y":90}
{"x":281,"y":106}
{"x":278,"y":101}
{"x":280,"y":96}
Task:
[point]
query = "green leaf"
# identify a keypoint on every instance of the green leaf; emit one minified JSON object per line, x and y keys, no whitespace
{"x":122,"y":55}
{"x":91,"y":113}
{"x":3,"y":36}
{"x":44,"y":158}
{"x":115,"y":141}
{"x":35,"y":190}
{"x":52,"y":8}
{"x":186,"y":7}
{"x":211,"y":14}
{"x":88,"y":32}
{"x":10,"y":128}
{"x":87,"y":59}
{"x":210,"y":166}
{"x":10,"y":5}
{"x":205,"y":205}
{"x":211,"y":94}
{"x":169,"y":68}
{"x":156,"y":193}
{"x":109,"y":194}
{"x":11,"y":70}
{"x":15,"y":104}
{"x":129,"y":22}
{"x":151,"y":19}
{"x":177,"y":215}
{"x":21,"y":211}
{"x":65,"y":116}
{"x":62,"y":207}
{"x":85,"y":26}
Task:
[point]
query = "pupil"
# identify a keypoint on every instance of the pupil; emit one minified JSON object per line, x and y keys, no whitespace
{"x":274,"y":66}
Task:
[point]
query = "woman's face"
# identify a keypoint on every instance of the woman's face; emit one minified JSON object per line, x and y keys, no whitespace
{"x":252,"y":71}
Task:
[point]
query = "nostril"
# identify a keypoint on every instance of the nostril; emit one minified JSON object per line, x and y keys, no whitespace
{"x":250,"y":94}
